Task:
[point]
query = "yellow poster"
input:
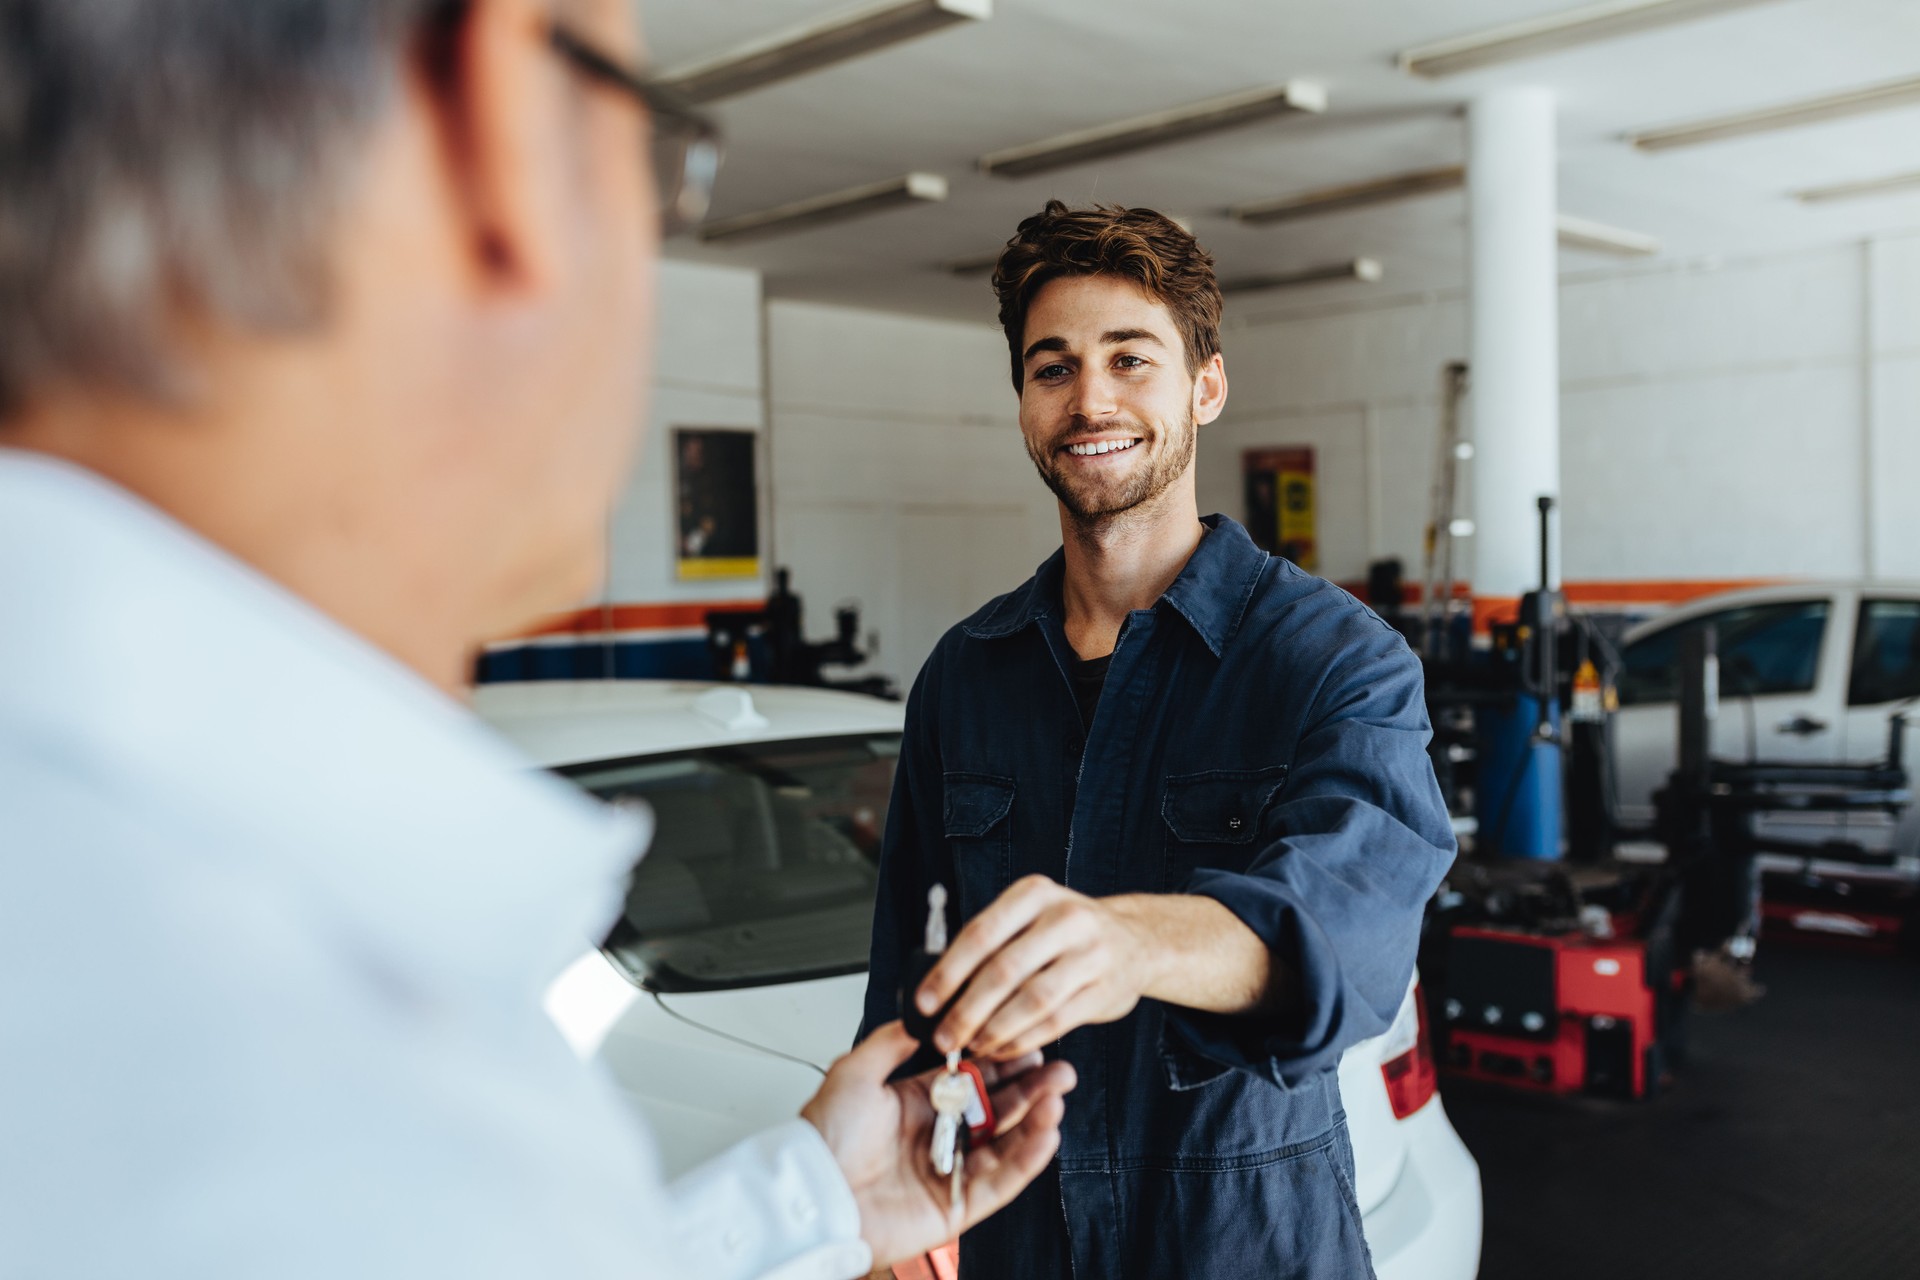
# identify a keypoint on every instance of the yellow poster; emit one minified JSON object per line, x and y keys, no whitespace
{"x":1281,"y":501}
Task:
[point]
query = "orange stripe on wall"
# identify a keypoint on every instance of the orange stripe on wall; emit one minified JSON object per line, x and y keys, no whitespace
{"x":633,"y":617}
{"x":1657,"y":591}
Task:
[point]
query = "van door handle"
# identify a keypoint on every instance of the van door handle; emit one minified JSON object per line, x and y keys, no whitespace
{"x":1801,"y":726}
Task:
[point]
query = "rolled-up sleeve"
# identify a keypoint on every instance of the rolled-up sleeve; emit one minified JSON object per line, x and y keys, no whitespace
{"x":1351,"y":849}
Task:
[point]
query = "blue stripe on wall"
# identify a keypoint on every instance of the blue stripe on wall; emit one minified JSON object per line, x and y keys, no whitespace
{"x":676,"y":659}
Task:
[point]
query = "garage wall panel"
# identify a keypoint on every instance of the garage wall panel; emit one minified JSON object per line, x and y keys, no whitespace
{"x":1339,"y":444}
{"x":1653,"y":324}
{"x":1897,"y":463}
{"x":900,"y":480}
{"x":1725,"y":476}
{"x":707,"y":374}
{"x":1720,"y":419}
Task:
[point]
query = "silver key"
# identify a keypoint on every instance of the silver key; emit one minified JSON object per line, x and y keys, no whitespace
{"x":950,"y":1094}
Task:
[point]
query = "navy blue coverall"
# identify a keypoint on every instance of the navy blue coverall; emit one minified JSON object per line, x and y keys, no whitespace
{"x":1260,"y":740}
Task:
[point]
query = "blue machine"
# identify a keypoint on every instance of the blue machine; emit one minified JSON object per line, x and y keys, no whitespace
{"x":1520,"y":798}
{"x":1519,"y":802}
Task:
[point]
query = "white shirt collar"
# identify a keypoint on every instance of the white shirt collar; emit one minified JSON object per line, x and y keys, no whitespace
{"x":214,"y":699}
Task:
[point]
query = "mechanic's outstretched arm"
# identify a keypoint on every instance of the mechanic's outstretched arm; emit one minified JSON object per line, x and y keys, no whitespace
{"x":762,"y":1204}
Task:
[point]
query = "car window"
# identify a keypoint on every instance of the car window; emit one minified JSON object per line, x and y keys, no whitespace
{"x":1886,"y":653}
{"x":764,"y":861}
{"x":1763,"y":648}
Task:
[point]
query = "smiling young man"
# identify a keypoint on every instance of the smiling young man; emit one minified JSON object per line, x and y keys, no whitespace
{"x":1179,"y":789}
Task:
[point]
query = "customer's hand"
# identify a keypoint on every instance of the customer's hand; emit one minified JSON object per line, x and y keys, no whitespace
{"x":882,"y":1133}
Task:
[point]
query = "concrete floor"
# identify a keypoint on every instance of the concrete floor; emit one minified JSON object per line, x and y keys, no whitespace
{"x":1789,"y":1145}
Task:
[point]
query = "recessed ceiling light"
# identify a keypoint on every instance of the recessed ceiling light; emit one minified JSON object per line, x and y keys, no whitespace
{"x":1897,"y":184}
{"x":1353,"y":195}
{"x":1566,"y":30}
{"x":820,"y":44}
{"x":1598,"y":237}
{"x":1365,"y":270}
{"x":912,"y":188}
{"x":1836,"y":106}
{"x":1296,"y":97}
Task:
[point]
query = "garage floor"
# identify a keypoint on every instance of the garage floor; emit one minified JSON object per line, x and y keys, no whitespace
{"x":1789,"y":1146}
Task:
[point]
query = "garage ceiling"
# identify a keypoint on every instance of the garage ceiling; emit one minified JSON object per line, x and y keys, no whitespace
{"x":1040,"y":68}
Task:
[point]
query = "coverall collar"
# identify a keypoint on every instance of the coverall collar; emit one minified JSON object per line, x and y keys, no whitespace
{"x":1211,"y":592}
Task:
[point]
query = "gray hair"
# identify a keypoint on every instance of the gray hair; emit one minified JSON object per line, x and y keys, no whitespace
{"x":169,"y":157}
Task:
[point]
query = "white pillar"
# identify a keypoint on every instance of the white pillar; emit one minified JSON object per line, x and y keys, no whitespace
{"x":1512,"y":206}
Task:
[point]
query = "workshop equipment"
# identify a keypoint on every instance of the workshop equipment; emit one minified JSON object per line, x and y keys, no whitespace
{"x":1709,"y":817}
{"x":1440,"y":641}
{"x":1544,"y":986}
{"x":1497,"y":716}
{"x":769,"y":645}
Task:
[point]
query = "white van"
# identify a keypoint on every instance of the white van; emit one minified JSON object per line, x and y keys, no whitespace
{"x":1809,"y":673}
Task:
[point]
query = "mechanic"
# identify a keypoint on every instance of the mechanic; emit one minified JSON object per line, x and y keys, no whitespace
{"x":1180,"y":790}
{"x":322,"y":359}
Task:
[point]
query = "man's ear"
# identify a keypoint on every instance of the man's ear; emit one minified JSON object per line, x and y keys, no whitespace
{"x":1210,"y":390}
{"x":492,"y":83}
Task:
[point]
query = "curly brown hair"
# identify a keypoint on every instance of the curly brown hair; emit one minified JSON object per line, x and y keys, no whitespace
{"x":1140,"y":245}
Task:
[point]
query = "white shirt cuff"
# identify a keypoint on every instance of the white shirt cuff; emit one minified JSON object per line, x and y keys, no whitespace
{"x":775,"y":1207}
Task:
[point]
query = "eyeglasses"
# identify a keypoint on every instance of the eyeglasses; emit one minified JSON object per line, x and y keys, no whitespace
{"x":685,"y":141}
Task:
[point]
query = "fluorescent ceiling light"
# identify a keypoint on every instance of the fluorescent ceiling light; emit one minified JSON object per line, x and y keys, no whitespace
{"x":985,"y":264}
{"x":1598,"y":237}
{"x":1366,"y":270}
{"x":1565,"y":30}
{"x":1296,"y":97}
{"x":1838,"y":106}
{"x":974,"y":266}
{"x":1895,"y":185}
{"x":1355,"y":195}
{"x":820,"y":44}
{"x":912,"y":188}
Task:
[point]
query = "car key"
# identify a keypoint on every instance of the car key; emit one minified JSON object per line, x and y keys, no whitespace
{"x":952,"y":1091}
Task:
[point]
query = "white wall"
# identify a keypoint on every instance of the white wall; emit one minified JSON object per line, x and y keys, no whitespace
{"x":707,"y":374}
{"x":1755,"y":418}
{"x":899,"y":478}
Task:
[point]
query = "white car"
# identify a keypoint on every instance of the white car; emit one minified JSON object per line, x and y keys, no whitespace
{"x":1809,"y":672}
{"x":738,"y":971}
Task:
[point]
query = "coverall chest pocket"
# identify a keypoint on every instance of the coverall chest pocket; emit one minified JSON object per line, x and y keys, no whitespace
{"x":1213,"y":818}
{"x":978,"y":818}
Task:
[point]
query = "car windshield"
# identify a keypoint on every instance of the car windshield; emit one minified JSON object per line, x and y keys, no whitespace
{"x":764,"y":861}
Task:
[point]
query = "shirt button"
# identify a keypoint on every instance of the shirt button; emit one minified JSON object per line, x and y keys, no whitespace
{"x":735,"y":1240}
{"x":1233,"y":824}
{"x":803,"y":1210}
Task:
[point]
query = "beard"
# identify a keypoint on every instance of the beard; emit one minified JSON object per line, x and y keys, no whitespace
{"x":1092,"y":500}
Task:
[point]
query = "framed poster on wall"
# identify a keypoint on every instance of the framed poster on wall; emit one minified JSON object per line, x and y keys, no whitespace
{"x":716,"y":503}
{"x":1281,"y":512}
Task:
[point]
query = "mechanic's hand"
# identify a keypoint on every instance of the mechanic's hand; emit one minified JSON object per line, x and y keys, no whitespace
{"x":1038,"y":962}
{"x":881,"y":1135}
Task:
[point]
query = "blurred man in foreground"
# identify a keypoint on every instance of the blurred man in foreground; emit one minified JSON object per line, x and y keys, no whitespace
{"x":323,"y":328}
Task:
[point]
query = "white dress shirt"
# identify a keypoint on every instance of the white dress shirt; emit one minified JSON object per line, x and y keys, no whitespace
{"x":275,"y":920}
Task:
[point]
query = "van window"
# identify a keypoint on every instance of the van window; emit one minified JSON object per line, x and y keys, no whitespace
{"x":1886,"y":653}
{"x":1764,"y":648}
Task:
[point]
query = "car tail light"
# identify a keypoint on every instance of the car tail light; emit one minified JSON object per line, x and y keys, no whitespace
{"x":1407,"y":1059}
